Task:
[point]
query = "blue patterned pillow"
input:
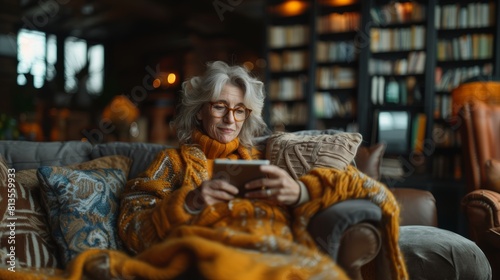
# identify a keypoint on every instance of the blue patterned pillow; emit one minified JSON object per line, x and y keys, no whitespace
{"x":83,"y":207}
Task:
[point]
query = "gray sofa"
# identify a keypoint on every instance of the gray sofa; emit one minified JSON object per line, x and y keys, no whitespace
{"x":348,"y":231}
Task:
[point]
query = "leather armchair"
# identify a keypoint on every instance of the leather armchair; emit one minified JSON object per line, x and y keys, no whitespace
{"x":480,"y":130}
{"x":359,"y":231}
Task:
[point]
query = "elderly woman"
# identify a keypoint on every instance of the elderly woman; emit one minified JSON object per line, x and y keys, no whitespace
{"x":176,"y":214}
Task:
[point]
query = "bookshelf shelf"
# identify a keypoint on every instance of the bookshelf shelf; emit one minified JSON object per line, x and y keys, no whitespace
{"x":301,"y":47}
{"x":461,"y":31}
{"x":331,"y":36}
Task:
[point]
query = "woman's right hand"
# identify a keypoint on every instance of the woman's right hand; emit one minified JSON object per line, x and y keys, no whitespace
{"x":211,"y":192}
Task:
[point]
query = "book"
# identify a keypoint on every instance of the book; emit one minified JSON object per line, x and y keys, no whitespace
{"x":418,"y":132}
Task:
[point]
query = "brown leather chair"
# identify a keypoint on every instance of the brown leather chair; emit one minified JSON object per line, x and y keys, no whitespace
{"x":480,"y":130}
{"x":360,"y":235}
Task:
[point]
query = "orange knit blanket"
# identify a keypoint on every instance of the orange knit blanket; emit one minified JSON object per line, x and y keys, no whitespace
{"x":244,"y":240}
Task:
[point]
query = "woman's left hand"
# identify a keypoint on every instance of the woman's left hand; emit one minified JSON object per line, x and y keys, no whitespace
{"x":279,"y":186}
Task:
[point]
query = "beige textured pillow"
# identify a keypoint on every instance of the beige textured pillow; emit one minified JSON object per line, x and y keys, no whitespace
{"x":492,"y":172}
{"x":298,"y":154}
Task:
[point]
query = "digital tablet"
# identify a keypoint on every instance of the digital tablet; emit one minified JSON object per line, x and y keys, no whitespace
{"x":238,"y":172}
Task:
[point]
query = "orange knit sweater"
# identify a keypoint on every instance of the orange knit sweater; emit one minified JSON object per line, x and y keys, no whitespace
{"x":241,"y":239}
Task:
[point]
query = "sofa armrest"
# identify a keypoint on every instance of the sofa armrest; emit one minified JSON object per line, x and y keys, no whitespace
{"x":417,"y":207}
{"x":345,"y":231}
{"x":482,"y":208}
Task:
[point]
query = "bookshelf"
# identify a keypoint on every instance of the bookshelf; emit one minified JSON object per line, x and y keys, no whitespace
{"x":466,"y":40}
{"x":337,"y":65}
{"x":397,"y":60}
{"x":357,"y":59}
{"x":289,"y":73}
{"x":367,"y":61}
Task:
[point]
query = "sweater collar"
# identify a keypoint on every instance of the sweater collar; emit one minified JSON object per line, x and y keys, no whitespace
{"x":213,"y":148}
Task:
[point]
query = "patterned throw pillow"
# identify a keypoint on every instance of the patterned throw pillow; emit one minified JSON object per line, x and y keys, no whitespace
{"x":83,"y":206}
{"x":298,"y":154}
{"x":35,"y":246}
{"x":31,"y":238}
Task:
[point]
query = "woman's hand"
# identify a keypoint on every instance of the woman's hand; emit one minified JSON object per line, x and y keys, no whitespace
{"x":279,"y":186}
{"x":209,"y":193}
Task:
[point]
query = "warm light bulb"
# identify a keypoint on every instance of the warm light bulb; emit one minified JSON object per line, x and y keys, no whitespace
{"x":171,"y":78}
{"x":339,"y":3}
{"x":156,"y":83}
{"x":248,"y":65}
{"x":293,"y":7}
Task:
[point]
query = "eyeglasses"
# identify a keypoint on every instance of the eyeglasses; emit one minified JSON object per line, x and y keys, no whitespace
{"x":220,"y":110}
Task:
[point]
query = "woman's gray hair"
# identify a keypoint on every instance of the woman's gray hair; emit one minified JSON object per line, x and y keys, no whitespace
{"x":200,"y":90}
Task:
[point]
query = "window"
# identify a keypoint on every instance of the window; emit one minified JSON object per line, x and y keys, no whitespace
{"x":83,"y":66}
{"x":32,"y":57}
{"x":37,"y":56}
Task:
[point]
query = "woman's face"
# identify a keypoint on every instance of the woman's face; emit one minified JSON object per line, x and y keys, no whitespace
{"x":223,"y":129}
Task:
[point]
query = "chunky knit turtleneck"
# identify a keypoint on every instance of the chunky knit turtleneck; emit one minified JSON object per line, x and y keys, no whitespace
{"x":213,"y":148}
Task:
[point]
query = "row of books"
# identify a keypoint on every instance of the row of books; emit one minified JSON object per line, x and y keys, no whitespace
{"x":446,"y":80}
{"x":471,"y":15}
{"x":391,"y":168}
{"x":343,"y":51}
{"x":442,"y":106}
{"x":445,"y":136}
{"x":280,"y":36}
{"x":289,"y":114}
{"x":339,"y":22}
{"x":327,"y":105}
{"x":397,"y":39}
{"x":469,"y":46}
{"x":287,"y":88}
{"x":295,"y":60}
{"x":336,"y":77}
{"x":398,"y":12}
{"x":414,"y":64}
{"x":419,"y":123}
{"x":394,"y":91}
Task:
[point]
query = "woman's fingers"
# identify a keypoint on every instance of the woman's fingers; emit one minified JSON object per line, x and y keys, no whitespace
{"x":214,"y":191}
{"x":279,"y":186}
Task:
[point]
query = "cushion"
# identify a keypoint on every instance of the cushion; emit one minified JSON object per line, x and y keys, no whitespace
{"x":29,"y":178}
{"x":260,"y":141}
{"x":141,"y":153}
{"x":300,"y":153}
{"x":23,"y":155}
{"x":83,"y":206}
{"x":33,"y":245}
{"x":35,"y":235}
{"x":492,"y":175}
{"x":433,"y":253}
{"x":368,"y":159}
